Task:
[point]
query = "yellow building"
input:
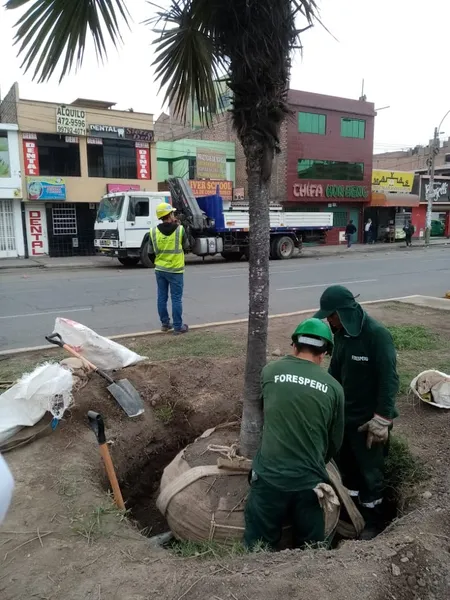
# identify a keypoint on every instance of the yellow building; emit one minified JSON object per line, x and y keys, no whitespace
{"x":71,"y":155}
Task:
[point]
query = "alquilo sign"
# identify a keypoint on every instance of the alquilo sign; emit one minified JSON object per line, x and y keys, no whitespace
{"x":70,"y":120}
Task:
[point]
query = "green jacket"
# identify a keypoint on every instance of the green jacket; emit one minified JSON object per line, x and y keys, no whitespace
{"x":364,"y":359}
{"x":303,"y":424}
{"x":366,"y":366}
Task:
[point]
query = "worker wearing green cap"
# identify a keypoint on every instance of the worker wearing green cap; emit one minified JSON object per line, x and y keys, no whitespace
{"x":364,"y":362}
{"x":303,"y":429}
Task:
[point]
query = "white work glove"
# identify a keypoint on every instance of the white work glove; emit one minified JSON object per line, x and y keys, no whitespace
{"x":327,"y":497}
{"x":377,"y":430}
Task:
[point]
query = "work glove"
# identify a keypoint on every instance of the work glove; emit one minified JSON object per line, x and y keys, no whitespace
{"x":377,"y":430}
{"x":327,"y":497}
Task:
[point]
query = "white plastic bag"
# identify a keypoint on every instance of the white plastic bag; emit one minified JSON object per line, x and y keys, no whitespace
{"x":103,"y":353}
{"x":441,"y":393}
{"x":47,"y":388}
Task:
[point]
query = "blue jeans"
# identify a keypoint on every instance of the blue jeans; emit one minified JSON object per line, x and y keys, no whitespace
{"x":349,"y":237}
{"x":174,"y":281}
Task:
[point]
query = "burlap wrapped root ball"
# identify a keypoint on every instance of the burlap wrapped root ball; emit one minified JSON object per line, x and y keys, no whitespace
{"x":202,"y":502}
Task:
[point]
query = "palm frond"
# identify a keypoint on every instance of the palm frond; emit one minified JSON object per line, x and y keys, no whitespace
{"x":188,"y":62}
{"x":51,"y":30}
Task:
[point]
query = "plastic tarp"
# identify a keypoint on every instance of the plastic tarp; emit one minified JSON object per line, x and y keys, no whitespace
{"x":47,"y":388}
{"x":102,"y":352}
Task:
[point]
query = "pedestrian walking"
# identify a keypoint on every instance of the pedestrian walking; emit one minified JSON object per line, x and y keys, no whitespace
{"x":364,"y":361}
{"x":167,"y":244}
{"x":350,"y":230}
{"x":303,"y":429}
{"x":409,"y":230}
{"x":368,"y":232}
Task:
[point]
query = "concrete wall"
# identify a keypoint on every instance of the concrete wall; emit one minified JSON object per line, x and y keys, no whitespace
{"x":178,"y":153}
{"x":412,"y":159}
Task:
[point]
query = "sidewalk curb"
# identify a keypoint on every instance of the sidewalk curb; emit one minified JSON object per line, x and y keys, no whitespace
{"x":123,"y":336}
{"x":308,"y":252}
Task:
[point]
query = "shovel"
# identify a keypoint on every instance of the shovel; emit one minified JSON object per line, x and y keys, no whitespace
{"x":98,"y":427}
{"x":125,"y":394}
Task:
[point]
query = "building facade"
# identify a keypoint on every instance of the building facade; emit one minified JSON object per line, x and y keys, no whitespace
{"x":11,"y":225}
{"x":71,"y":155}
{"x":329,"y":152}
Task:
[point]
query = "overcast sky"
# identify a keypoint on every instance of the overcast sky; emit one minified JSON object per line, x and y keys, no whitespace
{"x":401,"y":52}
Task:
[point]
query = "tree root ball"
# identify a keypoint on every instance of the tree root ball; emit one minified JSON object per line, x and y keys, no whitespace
{"x":202,"y":502}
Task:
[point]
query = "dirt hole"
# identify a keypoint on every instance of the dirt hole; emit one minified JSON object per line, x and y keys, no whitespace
{"x":140,"y":487}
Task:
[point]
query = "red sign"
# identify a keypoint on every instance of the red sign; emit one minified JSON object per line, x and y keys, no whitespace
{"x":208,"y":187}
{"x":36,"y":233}
{"x":143,"y":161}
{"x":30,"y":157}
{"x":112,"y":188}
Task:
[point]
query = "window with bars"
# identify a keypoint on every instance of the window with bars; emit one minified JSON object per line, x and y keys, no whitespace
{"x":64,"y":220}
{"x":312,"y":123}
{"x":353,"y":128}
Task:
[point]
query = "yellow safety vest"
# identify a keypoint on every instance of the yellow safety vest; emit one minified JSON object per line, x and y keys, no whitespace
{"x":168,"y":250}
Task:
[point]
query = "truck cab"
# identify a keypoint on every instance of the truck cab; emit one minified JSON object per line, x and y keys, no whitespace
{"x":123,"y":222}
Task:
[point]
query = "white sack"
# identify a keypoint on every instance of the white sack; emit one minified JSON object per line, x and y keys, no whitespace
{"x":440,"y":392}
{"x":103,"y":353}
{"x":47,"y":388}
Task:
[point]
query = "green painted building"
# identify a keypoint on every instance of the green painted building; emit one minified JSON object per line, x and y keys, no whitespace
{"x":179,"y":158}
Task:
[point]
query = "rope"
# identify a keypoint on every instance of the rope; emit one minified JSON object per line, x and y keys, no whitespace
{"x":229,"y":452}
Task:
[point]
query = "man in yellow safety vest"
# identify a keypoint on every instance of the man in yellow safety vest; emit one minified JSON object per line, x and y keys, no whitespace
{"x":167,"y":244}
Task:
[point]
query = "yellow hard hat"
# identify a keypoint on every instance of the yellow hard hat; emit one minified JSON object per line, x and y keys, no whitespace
{"x":164,"y":209}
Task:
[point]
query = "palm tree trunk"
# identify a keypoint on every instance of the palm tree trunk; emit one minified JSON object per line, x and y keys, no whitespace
{"x":258,"y":316}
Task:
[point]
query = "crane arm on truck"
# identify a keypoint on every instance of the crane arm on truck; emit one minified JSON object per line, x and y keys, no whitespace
{"x":191,"y":216}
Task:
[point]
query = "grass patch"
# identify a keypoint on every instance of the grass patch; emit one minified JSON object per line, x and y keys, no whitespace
{"x":101,"y":521}
{"x":194,"y":344}
{"x":404,"y":473}
{"x":414,"y":337}
{"x":13,"y":367}
{"x":165,"y":413}
{"x":187,"y":549}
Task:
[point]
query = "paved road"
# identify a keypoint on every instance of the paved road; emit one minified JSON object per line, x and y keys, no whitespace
{"x":113,"y":301}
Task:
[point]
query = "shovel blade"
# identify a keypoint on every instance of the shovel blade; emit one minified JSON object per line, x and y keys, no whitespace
{"x":127,"y":396}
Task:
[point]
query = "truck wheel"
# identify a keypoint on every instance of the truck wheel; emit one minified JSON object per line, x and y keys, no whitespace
{"x":273,"y":249}
{"x":129,"y":261}
{"x":284,"y":247}
{"x":146,"y":262}
{"x":232,"y":256}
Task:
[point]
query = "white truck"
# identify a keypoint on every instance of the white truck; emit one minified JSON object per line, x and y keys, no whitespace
{"x":124,"y":220}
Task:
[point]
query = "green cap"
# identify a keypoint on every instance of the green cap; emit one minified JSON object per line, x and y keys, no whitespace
{"x":313,"y":332}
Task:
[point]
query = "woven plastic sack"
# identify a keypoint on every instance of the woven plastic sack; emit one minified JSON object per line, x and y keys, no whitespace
{"x":202,"y":502}
{"x":103,"y":353}
{"x":47,"y":388}
{"x":439,"y":395}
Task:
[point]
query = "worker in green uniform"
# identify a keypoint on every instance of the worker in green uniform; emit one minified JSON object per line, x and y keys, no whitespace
{"x":303,"y":430}
{"x":364,"y":362}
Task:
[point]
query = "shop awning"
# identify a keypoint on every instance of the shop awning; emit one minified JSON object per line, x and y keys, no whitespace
{"x":392,"y":199}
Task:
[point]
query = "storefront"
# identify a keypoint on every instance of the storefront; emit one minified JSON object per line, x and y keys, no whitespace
{"x":389,"y":213}
{"x":11,"y":228}
{"x":346,"y":202}
{"x":440,"y":219}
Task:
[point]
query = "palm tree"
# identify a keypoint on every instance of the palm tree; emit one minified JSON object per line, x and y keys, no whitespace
{"x":199,"y":41}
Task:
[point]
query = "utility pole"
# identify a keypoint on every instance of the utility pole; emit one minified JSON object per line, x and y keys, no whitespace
{"x":434,"y":149}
